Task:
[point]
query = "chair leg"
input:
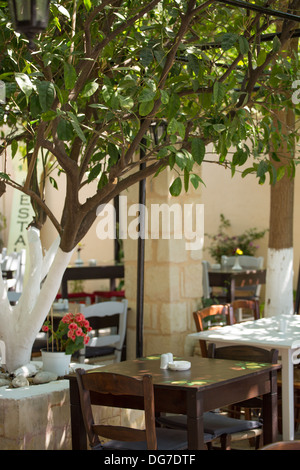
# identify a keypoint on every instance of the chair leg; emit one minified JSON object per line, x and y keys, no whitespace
{"x":225,"y":442}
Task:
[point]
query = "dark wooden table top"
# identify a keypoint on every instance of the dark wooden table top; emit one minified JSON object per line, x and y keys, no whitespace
{"x":204,"y":372}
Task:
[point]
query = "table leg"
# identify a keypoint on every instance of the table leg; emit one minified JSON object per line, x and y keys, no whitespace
{"x":287,"y":395}
{"x":195,"y":421}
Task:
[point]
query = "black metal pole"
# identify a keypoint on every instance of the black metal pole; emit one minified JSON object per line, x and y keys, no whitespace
{"x":141,"y":265}
{"x":261,"y":9}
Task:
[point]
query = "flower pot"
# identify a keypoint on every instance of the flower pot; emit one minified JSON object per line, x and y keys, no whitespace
{"x":56,"y":361}
{"x":236,"y":266}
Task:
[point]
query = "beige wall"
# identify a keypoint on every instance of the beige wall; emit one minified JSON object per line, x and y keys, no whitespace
{"x":245,"y":203}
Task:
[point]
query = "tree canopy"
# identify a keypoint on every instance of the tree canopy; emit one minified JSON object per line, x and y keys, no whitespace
{"x":106,"y":75}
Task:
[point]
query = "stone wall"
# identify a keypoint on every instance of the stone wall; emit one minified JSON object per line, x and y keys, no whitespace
{"x":38,"y":417}
{"x":173,"y":278}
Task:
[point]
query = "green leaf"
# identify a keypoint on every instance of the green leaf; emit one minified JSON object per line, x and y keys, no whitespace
{"x":76,"y":126}
{"x":113,"y":152}
{"x":146,"y":95}
{"x":228,"y":40}
{"x":176,"y":187}
{"x":186,"y":176}
{"x":243,"y":45}
{"x":146,"y":56}
{"x":196,"y":180}
{"x":126,"y":102}
{"x":240,"y":157}
{"x":175,"y":126}
{"x":219,"y":91}
{"x":198,"y":150}
{"x":70,"y":76}
{"x":89,"y":89}
{"x":24,"y":83}
{"x":14,"y":148}
{"x":95,"y":171}
{"x":64,"y":130}
{"x":248,"y":171}
{"x":46,"y":92}
{"x":219,"y":127}
{"x":276,"y":44}
{"x":103,"y":181}
{"x":53,"y":182}
{"x":146,"y":107}
{"x":35,"y":107}
{"x":261,"y":57}
{"x":63,"y":10}
{"x":164,"y":97}
{"x":174,"y":105}
{"x":87,"y":4}
{"x":49,"y":115}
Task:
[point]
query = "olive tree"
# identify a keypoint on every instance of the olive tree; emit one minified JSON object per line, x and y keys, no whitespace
{"x":86,"y":99}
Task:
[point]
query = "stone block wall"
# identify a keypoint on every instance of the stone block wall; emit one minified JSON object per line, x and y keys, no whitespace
{"x":38,"y":417}
{"x":173,"y":277}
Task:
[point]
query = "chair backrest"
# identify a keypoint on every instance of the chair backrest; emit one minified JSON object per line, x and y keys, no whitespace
{"x":206,"y":289}
{"x":251,"y":307}
{"x":243,"y":353}
{"x":246,"y":261}
{"x":115,"y":384}
{"x":215,"y":316}
{"x":15,"y":262}
{"x":99,"y":315}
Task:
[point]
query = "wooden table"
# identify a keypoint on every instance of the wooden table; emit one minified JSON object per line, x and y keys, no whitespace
{"x":265,"y":333}
{"x":209,"y":384}
{"x":230,"y":280}
{"x":112,"y":272}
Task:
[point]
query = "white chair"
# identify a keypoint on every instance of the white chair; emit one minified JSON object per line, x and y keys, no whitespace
{"x":247,"y":262}
{"x":14,"y":262}
{"x":105,"y":342}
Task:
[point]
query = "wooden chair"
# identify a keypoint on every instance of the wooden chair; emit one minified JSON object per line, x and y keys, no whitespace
{"x":212,"y":317}
{"x":121,"y":437}
{"x":14,"y":262}
{"x":225,"y":427}
{"x":248,"y":354}
{"x":247,"y":262}
{"x":209,"y":292}
{"x":106,"y":316}
{"x":248,"y":307}
{"x":282,"y":445}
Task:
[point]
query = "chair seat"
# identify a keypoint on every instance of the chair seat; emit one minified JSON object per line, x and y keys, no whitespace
{"x":167,"y":439}
{"x":215,"y":424}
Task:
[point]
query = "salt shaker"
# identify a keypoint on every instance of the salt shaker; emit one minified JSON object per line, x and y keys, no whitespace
{"x":164,"y":361}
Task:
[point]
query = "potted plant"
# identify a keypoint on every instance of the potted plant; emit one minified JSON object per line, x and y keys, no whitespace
{"x":223,"y":243}
{"x":71,"y":336}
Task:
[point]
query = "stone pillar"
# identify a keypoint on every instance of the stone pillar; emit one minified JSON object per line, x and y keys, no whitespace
{"x":173,"y":274}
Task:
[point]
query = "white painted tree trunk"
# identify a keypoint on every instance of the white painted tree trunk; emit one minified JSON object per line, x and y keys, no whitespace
{"x":279,"y":284}
{"x":20,"y":324}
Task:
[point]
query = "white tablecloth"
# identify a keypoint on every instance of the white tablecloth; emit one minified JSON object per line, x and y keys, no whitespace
{"x":282,"y":333}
